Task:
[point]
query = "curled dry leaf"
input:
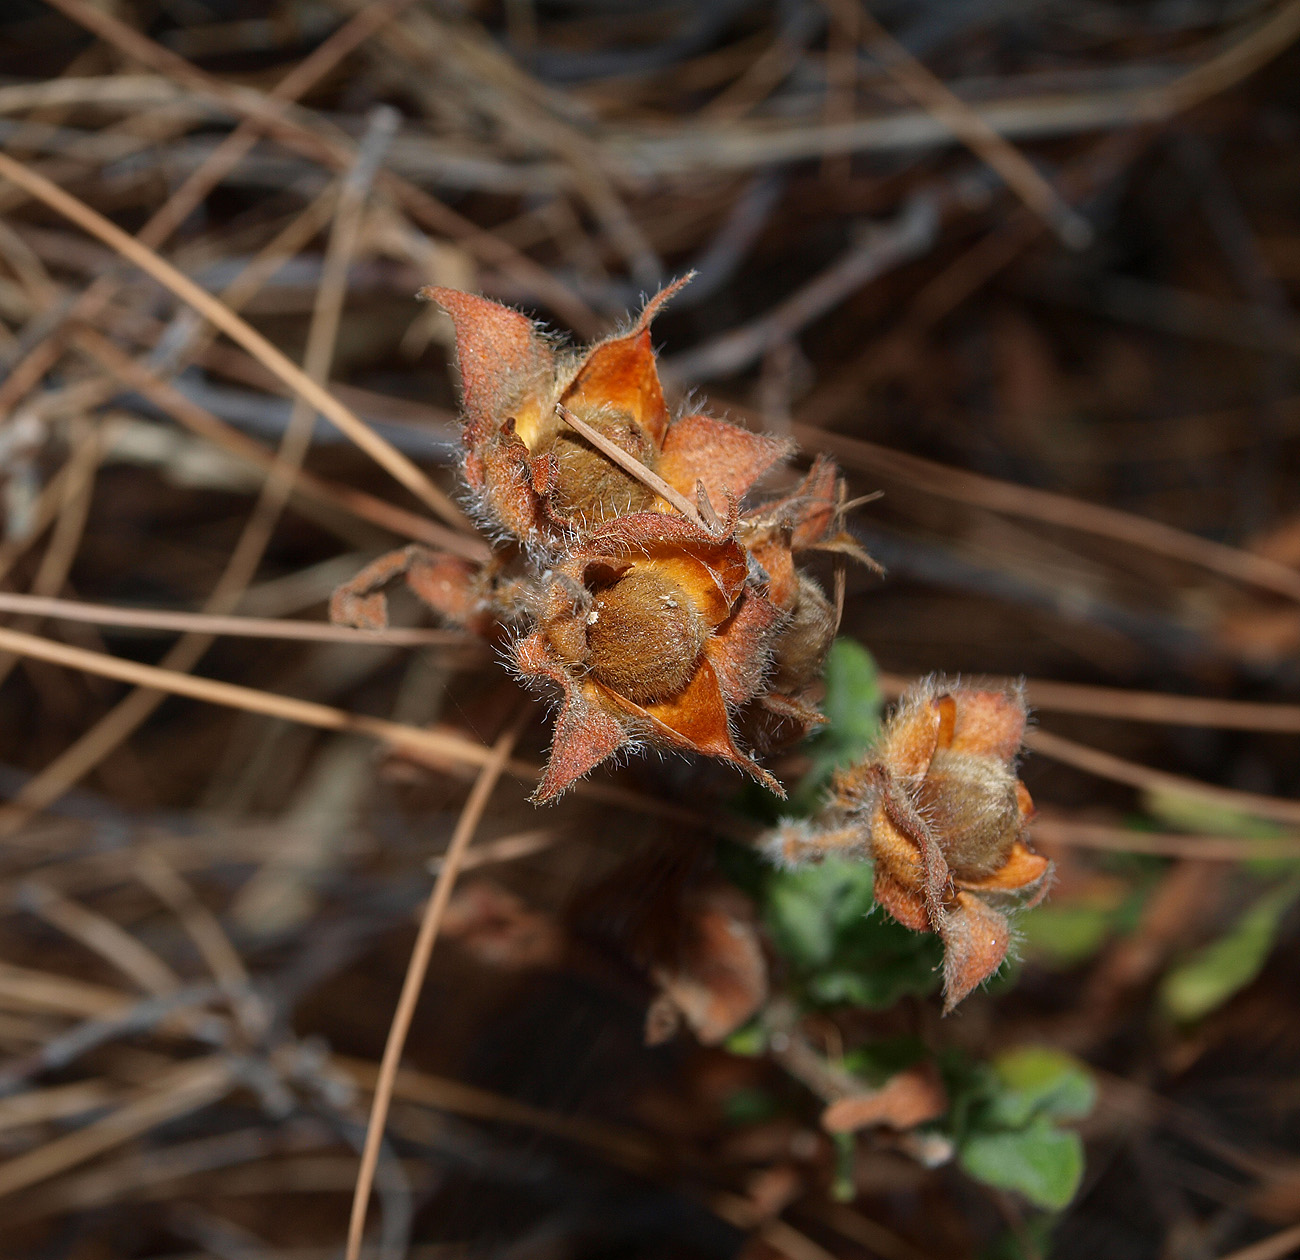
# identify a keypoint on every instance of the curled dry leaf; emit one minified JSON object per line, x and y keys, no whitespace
{"x":716,"y":979}
{"x":913,"y":1096}
{"x":937,"y":807}
{"x":500,"y":929}
{"x":653,"y":631}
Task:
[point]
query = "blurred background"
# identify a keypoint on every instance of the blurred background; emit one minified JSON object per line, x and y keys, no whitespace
{"x":1026,"y":268}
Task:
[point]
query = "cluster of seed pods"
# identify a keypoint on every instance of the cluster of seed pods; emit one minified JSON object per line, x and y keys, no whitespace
{"x":654,"y":627}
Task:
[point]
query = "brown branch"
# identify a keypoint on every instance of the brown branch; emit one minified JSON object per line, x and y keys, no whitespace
{"x":1107,"y":766}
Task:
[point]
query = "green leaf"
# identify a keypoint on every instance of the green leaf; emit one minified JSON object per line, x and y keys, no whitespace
{"x":1037,"y":1080}
{"x":1191,"y":813}
{"x":1030,"y":1240}
{"x":1041,"y":1162}
{"x":1065,"y":935}
{"x":852,"y":710}
{"x":877,"y":1061}
{"x":1004,"y":1115}
{"x":853,"y":699}
{"x":840,"y":950}
{"x":749,"y":1041}
{"x":749,"y":1106}
{"x":883,"y":981}
{"x":843,"y":1186}
{"x":809,"y":907}
{"x":1213,"y":974}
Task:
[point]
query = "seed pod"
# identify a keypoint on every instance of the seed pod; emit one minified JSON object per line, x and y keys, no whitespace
{"x":534,"y":476}
{"x":937,"y":807}
{"x":653,"y":635}
{"x":588,"y":486}
{"x":645,"y":635}
{"x":971,"y":803}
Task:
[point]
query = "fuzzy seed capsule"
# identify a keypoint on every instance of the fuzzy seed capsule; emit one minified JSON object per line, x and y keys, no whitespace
{"x":800,"y":650}
{"x":972,"y":805}
{"x":588,"y":484}
{"x":644,"y":636}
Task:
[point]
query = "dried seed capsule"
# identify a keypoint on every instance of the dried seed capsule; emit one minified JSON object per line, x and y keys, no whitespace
{"x":588,"y":484}
{"x":971,"y":803}
{"x":533,"y":476}
{"x":644,"y":636}
{"x":939,"y":810}
{"x":800,"y":649}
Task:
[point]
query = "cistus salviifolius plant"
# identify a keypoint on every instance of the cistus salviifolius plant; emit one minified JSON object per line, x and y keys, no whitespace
{"x":648,"y":588}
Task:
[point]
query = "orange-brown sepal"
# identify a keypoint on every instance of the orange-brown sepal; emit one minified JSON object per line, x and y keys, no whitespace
{"x":585,"y":733}
{"x":726,"y":459}
{"x":501,"y":358}
{"x":533,"y":473}
{"x":620,"y":373}
{"x":976,"y":938}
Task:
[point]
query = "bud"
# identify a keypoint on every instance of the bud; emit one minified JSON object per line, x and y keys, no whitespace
{"x":806,"y":520}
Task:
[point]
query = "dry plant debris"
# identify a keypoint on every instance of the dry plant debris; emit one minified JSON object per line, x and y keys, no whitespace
{"x":1028,"y":273}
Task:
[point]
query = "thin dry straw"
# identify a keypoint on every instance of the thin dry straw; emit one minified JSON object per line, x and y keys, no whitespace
{"x":418,"y":968}
{"x":240,"y":627}
{"x":216,"y":312}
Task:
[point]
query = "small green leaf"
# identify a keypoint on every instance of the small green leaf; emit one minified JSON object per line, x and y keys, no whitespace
{"x":880,"y":983}
{"x":1213,"y":974}
{"x":841,"y":950}
{"x":1192,"y":813}
{"x":1037,"y":1080}
{"x":843,"y":1186}
{"x":809,"y":907}
{"x":1041,"y":1162}
{"x":749,"y":1106}
{"x":853,"y":699}
{"x":878,"y":1061}
{"x":1065,"y":935}
{"x":1031,"y":1239}
{"x":852,"y":710}
{"x":748,"y":1042}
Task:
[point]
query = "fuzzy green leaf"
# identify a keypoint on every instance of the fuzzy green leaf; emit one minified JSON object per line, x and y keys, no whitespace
{"x":809,"y":907}
{"x":840,"y":950}
{"x":1036,"y":1080}
{"x":853,"y":700}
{"x":852,"y":710}
{"x":1041,"y":1162}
